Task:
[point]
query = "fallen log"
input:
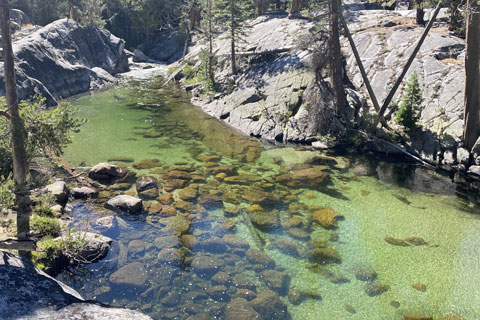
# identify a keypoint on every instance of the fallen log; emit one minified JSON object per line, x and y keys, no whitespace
{"x":18,"y":244}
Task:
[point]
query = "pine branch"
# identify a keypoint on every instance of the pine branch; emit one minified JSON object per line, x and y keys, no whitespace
{"x":5,"y":114}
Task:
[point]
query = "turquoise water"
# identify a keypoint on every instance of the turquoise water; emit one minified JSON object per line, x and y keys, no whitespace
{"x":378,"y":200}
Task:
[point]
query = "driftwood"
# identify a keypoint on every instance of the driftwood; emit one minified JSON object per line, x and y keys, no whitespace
{"x":258,"y":53}
{"x":18,"y":244}
{"x":407,"y":66}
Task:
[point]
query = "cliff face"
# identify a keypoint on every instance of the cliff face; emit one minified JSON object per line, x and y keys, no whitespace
{"x":63,"y":59}
{"x":269,"y":97}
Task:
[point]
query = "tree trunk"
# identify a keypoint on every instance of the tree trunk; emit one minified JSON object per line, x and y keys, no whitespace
{"x":295,"y":9}
{"x":194,"y":16}
{"x":335,"y":69}
{"x":210,"y":41}
{"x":472,"y":75}
{"x":232,"y":34}
{"x":420,"y":13}
{"x":259,"y":7}
{"x":20,"y":165}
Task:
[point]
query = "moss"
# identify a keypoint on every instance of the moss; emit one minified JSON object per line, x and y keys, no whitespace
{"x":45,"y":226}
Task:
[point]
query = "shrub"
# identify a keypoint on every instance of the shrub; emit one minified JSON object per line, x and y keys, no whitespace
{"x":411,"y":105}
{"x":7,"y":196}
{"x":46,"y":226}
{"x":47,"y":130}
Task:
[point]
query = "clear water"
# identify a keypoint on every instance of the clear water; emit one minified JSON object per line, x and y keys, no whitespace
{"x":395,"y":200}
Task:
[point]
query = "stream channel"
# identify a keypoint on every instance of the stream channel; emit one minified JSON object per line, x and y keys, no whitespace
{"x":280,"y":232}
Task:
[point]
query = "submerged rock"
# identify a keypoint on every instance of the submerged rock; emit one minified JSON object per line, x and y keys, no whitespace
{"x":419,"y":286}
{"x":306,"y":178}
{"x":365,"y":274}
{"x":375,"y":289}
{"x":147,"y":186}
{"x":133,"y":274}
{"x":324,"y":255}
{"x":239,"y":309}
{"x":276,"y":280}
{"x":256,"y":256}
{"x":269,"y":305}
{"x":414,"y":316}
{"x":327,"y":217}
{"x":206,"y":265}
{"x":407,"y":242}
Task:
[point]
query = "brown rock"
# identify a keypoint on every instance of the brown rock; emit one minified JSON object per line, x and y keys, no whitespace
{"x":166,"y":199}
{"x":324,"y":255}
{"x":239,"y":309}
{"x":190,"y":193}
{"x":304,"y":178}
{"x":276,"y":280}
{"x":177,"y":174}
{"x":256,"y":256}
{"x":375,"y":289}
{"x":414,"y":316}
{"x":288,"y":247}
{"x":269,"y":305}
{"x":246,"y":294}
{"x":364,"y":273}
{"x":327,"y":217}
{"x":173,"y":184}
{"x":298,"y":233}
{"x":220,"y":278}
{"x":419,"y":286}
{"x":234,"y":241}
{"x":166,"y":242}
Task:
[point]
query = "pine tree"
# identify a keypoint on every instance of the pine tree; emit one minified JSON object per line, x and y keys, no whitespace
{"x":411,"y":105}
{"x":208,"y":8}
{"x":234,"y":13}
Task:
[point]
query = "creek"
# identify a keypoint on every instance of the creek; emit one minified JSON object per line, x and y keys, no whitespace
{"x":260,"y":224}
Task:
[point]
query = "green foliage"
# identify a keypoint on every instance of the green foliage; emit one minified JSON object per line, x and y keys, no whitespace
{"x":47,"y":130}
{"x":411,"y":105}
{"x":46,"y":226}
{"x":205,"y":59}
{"x":7,"y":196}
{"x":189,"y":71}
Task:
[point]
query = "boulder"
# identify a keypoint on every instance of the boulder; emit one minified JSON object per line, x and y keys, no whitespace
{"x":105,"y":171}
{"x":63,"y":59}
{"x":206,"y":265}
{"x":147,"y":187}
{"x":84,"y":193}
{"x":105,"y":223}
{"x":28,"y":293}
{"x":327,"y":218}
{"x":139,"y":56}
{"x":239,"y":309}
{"x":126,"y":203}
{"x":59,"y":190}
{"x":463,"y":156}
{"x":304,"y":178}
{"x":94,"y":247}
{"x":475,"y":170}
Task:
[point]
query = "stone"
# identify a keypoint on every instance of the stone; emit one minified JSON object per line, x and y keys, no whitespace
{"x":175,"y":225}
{"x":305,"y":178}
{"x":239,"y":309}
{"x":84,"y":193}
{"x":256,"y":256}
{"x":105,"y":171}
{"x":171,"y":241}
{"x":327,"y":218}
{"x":173,"y":184}
{"x":375,"y":289}
{"x":246,"y":294}
{"x":209,"y":158}
{"x":475,"y":170}
{"x":166,"y":199}
{"x":95,"y":247}
{"x":177,"y":174}
{"x":339,"y":278}
{"x":414,"y":316}
{"x":297,"y":296}
{"x":364,"y":273}
{"x":105,"y":223}
{"x":47,"y":66}
{"x":419,"y":286}
{"x":298,"y":233}
{"x":171,"y":256}
{"x":189,"y":193}
{"x":324,"y":255}
{"x":218,"y":293}
{"x":269,"y":305}
{"x":234,"y":241}
{"x":288,"y":247}
{"x":136,"y":247}
{"x":146,"y":183}
{"x":320,"y":145}
{"x":59,"y":190}
{"x":206,"y":265}
{"x":449,"y":158}
{"x":220,"y":278}
{"x":395,"y":304}
{"x":242,"y":281}
{"x":276,"y":280}
{"x":139,"y":56}
{"x":350,"y":309}
{"x":147,"y":164}
{"x":463,"y":156}
{"x":126,"y":203}
{"x":476,"y":149}
{"x":264,"y":220}
{"x":133,"y":274}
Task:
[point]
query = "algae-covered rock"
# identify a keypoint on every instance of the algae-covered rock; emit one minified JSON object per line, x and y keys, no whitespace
{"x":264,"y":220}
{"x":288,"y":247}
{"x":171,"y":256}
{"x":419,"y":286}
{"x":324,"y":255}
{"x":276,"y":280}
{"x":239,"y":309}
{"x":256,"y":256}
{"x":305,"y":178}
{"x":375,"y":289}
{"x":189,"y":193}
{"x":206,"y":265}
{"x":365,"y":273}
{"x":415,"y":316}
{"x":327,"y":217}
{"x":298,"y":233}
{"x":269,"y":305}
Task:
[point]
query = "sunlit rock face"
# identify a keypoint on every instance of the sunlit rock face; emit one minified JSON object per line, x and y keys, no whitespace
{"x":63,"y":59}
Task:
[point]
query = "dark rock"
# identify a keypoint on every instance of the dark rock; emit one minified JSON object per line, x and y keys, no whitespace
{"x":105,"y":171}
{"x":297,"y":296}
{"x":171,"y":256}
{"x":395,"y":304}
{"x":171,"y":241}
{"x":146,"y":183}
{"x":256,"y":256}
{"x":350,"y":309}
{"x":218,"y":293}
{"x":365,"y":274}
{"x":126,"y":203}
{"x":133,"y":274}
{"x":269,"y":305}
{"x":324,"y":255}
{"x":288,"y":247}
{"x":220,"y":278}
{"x":206,"y":265}
{"x":234,"y":241}
{"x":239,"y":309}
{"x":242,"y":281}
{"x":276,"y":280}
{"x":375,"y":289}
{"x":298,"y":233}
{"x":338,"y":278}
